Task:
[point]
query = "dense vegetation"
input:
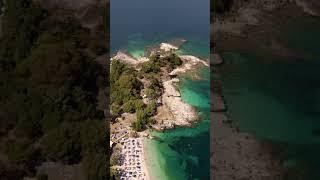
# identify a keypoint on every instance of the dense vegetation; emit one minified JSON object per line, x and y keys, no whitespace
{"x":50,"y":91}
{"x":126,"y":87}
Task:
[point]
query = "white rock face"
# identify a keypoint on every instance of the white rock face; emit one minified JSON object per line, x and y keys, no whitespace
{"x":169,"y":88}
{"x":168,"y":47}
{"x":143,"y":59}
{"x":189,"y":62}
{"x":125,"y":58}
{"x":193,"y":60}
{"x":182,"y":112}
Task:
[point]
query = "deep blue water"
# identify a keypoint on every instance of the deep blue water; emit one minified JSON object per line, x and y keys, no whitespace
{"x":154,"y":20}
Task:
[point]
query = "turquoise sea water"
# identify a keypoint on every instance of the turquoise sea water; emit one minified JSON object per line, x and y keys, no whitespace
{"x":181,"y":153}
{"x":136,"y":44}
{"x":278,"y":99}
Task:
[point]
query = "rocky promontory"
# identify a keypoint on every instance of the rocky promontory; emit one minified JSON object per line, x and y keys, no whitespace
{"x":171,"y":110}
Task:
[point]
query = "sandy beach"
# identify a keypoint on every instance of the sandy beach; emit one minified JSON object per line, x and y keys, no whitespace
{"x":133,"y":159}
{"x":145,"y":156}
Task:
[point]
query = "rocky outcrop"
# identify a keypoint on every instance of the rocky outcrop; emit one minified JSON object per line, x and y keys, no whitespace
{"x":173,"y":112}
{"x":167,"y":47}
{"x":125,"y":58}
{"x":189,"y":63}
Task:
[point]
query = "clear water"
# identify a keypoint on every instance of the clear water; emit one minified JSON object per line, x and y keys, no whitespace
{"x":279,"y":99}
{"x":182,"y":153}
{"x":148,"y":21}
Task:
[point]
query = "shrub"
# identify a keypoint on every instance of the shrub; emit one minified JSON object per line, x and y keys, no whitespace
{"x":114,"y":158}
{"x":129,"y":107}
{"x":115,"y":109}
{"x":151,"y":93}
{"x":150,"y":67}
{"x":137,"y":126}
{"x":138,"y":103}
{"x":151,"y":108}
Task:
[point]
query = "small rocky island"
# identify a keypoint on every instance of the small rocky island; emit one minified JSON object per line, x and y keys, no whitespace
{"x":144,"y":96}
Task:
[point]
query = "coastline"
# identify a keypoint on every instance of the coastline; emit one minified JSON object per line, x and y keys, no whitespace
{"x":253,"y":22}
{"x":251,"y":158}
{"x":170,"y":98}
{"x":145,"y":157}
{"x":241,"y":155}
{"x":169,"y":116}
{"x":253,"y":25}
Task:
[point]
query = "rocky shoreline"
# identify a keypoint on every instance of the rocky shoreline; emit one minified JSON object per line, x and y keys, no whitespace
{"x":238,"y":155}
{"x":173,"y":111}
{"x":127,"y":59}
{"x":234,"y":154}
{"x":253,"y":22}
{"x":249,"y":27}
